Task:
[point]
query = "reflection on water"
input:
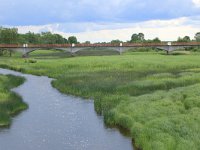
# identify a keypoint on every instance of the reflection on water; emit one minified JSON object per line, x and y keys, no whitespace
{"x":55,"y":121}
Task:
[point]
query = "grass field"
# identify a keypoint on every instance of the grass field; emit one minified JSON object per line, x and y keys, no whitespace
{"x":10,"y":103}
{"x":156,"y":97}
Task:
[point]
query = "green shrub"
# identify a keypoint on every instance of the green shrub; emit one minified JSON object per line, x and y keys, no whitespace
{"x":10,"y":103}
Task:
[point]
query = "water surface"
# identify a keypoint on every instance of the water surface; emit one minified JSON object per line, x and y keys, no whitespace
{"x":55,"y":121}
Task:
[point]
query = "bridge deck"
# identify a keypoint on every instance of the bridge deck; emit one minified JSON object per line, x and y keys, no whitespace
{"x":100,"y":45}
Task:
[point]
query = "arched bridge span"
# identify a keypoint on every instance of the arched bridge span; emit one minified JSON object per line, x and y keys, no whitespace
{"x":121,"y":47}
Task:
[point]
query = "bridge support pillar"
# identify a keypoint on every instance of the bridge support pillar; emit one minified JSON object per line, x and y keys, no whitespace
{"x":120,"y":48}
{"x":71,"y":49}
{"x":25,"y":54}
{"x":120,"y":51}
{"x":169,"y":47}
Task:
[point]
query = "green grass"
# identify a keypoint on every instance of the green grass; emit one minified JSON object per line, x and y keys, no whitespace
{"x":155,"y":97}
{"x":10,"y":103}
{"x":96,"y":52}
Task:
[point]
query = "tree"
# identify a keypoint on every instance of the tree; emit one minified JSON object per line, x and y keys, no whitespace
{"x":156,"y":40}
{"x":87,"y":42}
{"x":197,"y":37}
{"x":8,"y":35}
{"x":11,"y":36}
{"x":22,"y":38}
{"x":72,"y":40}
{"x":47,"y":38}
{"x":187,"y":38}
{"x":116,"y":41}
{"x":137,"y":38}
{"x":141,"y":37}
{"x":134,"y":38}
{"x":59,"y":39}
{"x":32,"y":38}
{"x":184,"y":39}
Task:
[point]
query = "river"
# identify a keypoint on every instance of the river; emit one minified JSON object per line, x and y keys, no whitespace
{"x":55,"y":121}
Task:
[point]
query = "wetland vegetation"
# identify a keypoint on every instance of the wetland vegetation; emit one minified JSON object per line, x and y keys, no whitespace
{"x":153,"y":96}
{"x":10,"y":103}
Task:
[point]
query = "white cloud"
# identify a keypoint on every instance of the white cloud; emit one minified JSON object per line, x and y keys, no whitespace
{"x":164,"y":29}
{"x":38,"y":29}
{"x":164,"y":33}
{"x":196,"y":2}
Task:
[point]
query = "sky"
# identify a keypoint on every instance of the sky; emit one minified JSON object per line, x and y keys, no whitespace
{"x":104,"y":20}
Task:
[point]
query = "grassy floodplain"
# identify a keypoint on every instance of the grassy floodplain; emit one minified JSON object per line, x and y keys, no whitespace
{"x":154,"y":96}
{"x":10,"y":103}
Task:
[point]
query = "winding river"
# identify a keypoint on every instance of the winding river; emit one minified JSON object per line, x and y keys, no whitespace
{"x":55,"y":121}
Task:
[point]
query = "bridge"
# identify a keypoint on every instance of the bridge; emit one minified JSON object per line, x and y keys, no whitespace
{"x":121,"y":47}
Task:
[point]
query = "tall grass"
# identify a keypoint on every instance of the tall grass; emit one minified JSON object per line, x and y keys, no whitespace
{"x":154,"y":96}
{"x":10,"y":103}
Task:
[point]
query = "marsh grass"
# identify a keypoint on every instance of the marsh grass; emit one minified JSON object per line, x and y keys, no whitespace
{"x":96,"y":52}
{"x":153,"y":96}
{"x":10,"y":102}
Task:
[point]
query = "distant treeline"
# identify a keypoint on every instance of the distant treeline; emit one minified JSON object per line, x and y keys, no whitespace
{"x":140,"y":38}
{"x":11,"y":36}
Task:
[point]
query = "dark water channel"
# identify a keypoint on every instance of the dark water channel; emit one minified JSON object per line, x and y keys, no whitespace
{"x":55,"y":121}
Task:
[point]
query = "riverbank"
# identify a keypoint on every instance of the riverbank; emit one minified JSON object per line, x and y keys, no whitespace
{"x":10,"y":102}
{"x":154,"y":96}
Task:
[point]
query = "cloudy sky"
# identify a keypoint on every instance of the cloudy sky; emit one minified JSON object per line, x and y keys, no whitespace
{"x":104,"y":20}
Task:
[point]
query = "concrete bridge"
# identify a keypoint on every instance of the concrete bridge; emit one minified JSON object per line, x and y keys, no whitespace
{"x":73,"y":48}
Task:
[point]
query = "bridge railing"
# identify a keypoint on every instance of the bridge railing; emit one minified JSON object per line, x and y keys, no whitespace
{"x":100,"y":45}
{"x":10,"y":45}
{"x":48,"y":45}
{"x":144,"y":44}
{"x":186,"y":43}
